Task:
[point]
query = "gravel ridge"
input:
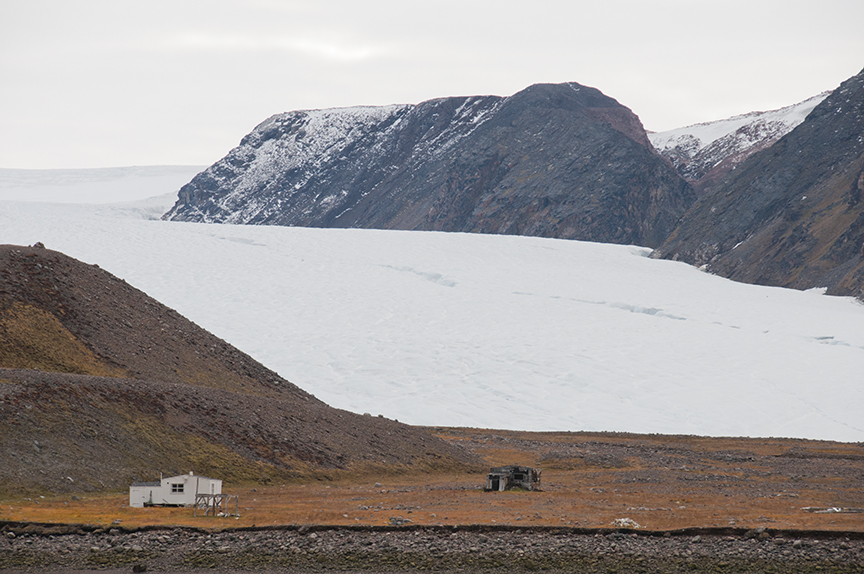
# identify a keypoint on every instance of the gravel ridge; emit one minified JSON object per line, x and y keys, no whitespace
{"x":71,"y":548}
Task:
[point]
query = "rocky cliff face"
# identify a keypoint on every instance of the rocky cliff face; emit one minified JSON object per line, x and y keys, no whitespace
{"x":560,"y":161}
{"x":705,"y":153}
{"x":792,"y":215}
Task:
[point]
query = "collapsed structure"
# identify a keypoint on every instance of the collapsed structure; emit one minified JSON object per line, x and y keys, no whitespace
{"x":513,"y":476}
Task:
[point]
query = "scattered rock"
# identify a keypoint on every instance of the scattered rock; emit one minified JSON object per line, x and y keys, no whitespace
{"x":399,"y":521}
{"x":625,"y":523}
{"x":423,"y":549}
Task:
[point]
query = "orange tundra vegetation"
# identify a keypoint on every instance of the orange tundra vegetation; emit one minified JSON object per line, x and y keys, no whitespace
{"x":588,"y":480}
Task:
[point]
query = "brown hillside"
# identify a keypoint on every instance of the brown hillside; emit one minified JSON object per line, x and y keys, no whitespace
{"x":48,"y":299}
{"x":101,"y":385}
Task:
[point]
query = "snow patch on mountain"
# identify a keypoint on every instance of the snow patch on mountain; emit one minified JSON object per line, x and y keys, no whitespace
{"x":285,"y":143}
{"x":695,"y":150}
{"x":273,"y":168}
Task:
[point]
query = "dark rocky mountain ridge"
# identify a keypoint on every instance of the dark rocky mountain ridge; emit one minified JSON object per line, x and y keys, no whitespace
{"x":791,"y":215}
{"x":779,"y":198}
{"x":101,"y":385}
{"x":559,"y":160}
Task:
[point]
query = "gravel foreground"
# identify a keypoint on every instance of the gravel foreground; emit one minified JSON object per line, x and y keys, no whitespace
{"x":69,"y":549}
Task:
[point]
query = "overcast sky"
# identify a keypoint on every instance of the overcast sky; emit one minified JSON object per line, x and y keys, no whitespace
{"x":101,"y":83}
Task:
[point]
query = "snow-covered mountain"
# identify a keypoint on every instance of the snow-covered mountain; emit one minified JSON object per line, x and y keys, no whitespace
{"x":487,"y":330}
{"x":553,"y":160}
{"x":711,"y":147}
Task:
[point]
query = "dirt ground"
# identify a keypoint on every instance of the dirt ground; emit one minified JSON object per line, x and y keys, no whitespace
{"x":588,"y":480}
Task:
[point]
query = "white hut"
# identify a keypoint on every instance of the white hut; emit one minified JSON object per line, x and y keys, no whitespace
{"x":172,"y":491}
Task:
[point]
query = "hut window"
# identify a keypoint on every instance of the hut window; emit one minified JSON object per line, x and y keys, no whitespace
{"x":176,"y":488}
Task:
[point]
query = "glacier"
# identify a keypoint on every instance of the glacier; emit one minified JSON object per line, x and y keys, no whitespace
{"x":453,"y":329}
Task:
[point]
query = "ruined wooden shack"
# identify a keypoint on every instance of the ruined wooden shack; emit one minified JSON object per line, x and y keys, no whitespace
{"x":513,"y":476}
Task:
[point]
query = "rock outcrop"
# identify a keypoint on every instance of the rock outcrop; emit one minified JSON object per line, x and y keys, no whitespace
{"x":791,"y":215}
{"x":559,"y":160}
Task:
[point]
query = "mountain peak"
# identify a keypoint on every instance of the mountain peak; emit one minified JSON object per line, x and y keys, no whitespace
{"x":553,"y":160}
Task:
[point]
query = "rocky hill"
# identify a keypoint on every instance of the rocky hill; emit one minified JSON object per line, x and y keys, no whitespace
{"x":558,"y":160}
{"x":101,"y":385}
{"x":705,"y":153}
{"x":791,"y":215}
